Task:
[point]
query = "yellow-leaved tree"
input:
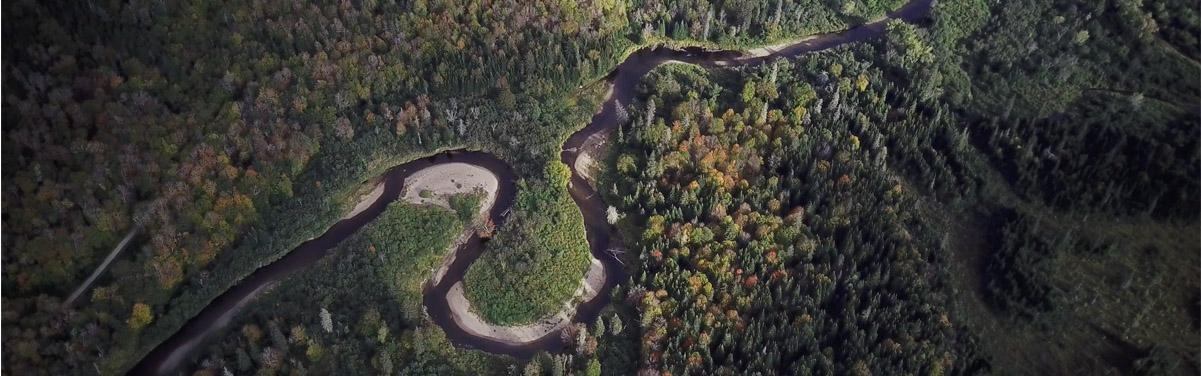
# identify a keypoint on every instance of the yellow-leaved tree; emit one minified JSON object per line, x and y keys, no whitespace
{"x":140,"y":317}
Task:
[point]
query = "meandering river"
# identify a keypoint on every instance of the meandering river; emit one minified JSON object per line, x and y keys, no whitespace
{"x":214,"y":317}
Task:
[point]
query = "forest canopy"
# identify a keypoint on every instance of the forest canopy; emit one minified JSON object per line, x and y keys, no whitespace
{"x":938,"y":198}
{"x":537,"y":259}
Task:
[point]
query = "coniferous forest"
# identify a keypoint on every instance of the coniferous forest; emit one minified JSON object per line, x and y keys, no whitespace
{"x":951,"y":187}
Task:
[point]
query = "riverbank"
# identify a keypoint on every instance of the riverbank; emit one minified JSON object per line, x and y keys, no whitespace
{"x":196,"y":331}
{"x":589,"y":154}
{"x":783,"y":45}
{"x":366,"y":200}
{"x":463,"y":315}
{"x":433,"y":185}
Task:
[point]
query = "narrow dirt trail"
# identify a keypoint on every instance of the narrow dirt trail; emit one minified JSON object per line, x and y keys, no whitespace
{"x":103,"y":266}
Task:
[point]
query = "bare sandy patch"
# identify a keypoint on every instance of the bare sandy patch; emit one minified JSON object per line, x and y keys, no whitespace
{"x":461,"y":312}
{"x":586,"y":160}
{"x":366,"y":201}
{"x":447,"y":179}
{"x":776,"y":47}
{"x":773,"y":48}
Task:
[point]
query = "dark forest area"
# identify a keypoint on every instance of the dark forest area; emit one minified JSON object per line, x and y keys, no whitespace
{"x":1009,"y":187}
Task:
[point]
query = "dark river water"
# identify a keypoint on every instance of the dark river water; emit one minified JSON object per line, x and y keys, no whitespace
{"x":218,"y":314}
